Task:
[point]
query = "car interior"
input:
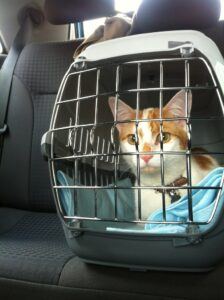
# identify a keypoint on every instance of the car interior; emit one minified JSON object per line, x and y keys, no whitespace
{"x":36,"y":261}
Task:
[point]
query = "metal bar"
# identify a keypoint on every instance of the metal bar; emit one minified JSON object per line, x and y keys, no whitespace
{"x":80,"y":141}
{"x":113,"y":140}
{"x":103,"y":148}
{"x":70,"y":133}
{"x":131,"y":153}
{"x":132,"y":222}
{"x":139,"y":187}
{"x":97,"y":146}
{"x":154,"y":60}
{"x":188,"y":154}
{"x":75,"y":134}
{"x":151,"y":89}
{"x":165,"y":89}
{"x":97,"y":97}
{"x":80,"y":71}
{"x":78,"y":103}
{"x":87,"y":142}
{"x":133,"y":121}
{"x":76,"y":171}
{"x":139,"y":201}
{"x":108,"y":152}
{"x":162,"y":168}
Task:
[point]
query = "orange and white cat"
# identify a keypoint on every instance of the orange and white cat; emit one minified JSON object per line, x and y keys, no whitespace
{"x":174,"y":139}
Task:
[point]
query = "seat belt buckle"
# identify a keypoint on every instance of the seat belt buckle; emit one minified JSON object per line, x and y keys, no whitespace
{"x":3,"y":129}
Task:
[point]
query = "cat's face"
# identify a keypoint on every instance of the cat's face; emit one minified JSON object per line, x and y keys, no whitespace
{"x":148,"y":133}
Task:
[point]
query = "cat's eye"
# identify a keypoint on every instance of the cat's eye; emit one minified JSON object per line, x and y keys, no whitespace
{"x":131,"y":139}
{"x":166,"y":137}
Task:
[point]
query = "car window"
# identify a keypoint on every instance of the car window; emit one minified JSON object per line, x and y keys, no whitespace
{"x":222,"y":10}
{"x":90,"y":26}
{"x":127,"y":5}
{"x":122,"y":6}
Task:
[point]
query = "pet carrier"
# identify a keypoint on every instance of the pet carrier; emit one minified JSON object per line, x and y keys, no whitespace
{"x":112,"y":209}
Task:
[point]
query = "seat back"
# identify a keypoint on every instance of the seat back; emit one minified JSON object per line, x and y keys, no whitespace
{"x":24,"y":176}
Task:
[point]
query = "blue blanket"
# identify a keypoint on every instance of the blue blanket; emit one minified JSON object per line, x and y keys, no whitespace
{"x":203,"y":204}
{"x":82,"y":203}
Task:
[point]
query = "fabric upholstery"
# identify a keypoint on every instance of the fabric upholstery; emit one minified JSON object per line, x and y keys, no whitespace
{"x":67,"y":11}
{"x":34,"y":248}
{"x":37,"y":77}
{"x":163,"y":15}
{"x":216,"y":33}
{"x":32,"y":244}
{"x":13,"y":289}
{"x":164,"y":285}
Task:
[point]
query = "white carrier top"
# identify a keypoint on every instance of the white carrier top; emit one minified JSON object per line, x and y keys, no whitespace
{"x":184,"y":40}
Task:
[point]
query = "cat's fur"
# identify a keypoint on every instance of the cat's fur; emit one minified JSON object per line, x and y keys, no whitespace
{"x":174,"y":165}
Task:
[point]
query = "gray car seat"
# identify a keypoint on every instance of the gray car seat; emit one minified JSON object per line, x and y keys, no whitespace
{"x":35,"y":261}
{"x":29,"y":241}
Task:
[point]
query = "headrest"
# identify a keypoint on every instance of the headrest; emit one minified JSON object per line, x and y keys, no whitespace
{"x":71,"y":11}
{"x":163,"y":15}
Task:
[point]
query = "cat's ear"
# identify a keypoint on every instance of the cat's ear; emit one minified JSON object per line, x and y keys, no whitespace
{"x":177,"y":104}
{"x":124,"y":111}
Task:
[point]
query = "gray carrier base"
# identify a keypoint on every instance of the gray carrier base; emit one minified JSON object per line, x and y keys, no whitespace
{"x":192,"y":254}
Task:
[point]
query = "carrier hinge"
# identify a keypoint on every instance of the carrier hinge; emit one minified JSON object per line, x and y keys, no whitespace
{"x":193,"y":237}
{"x":74,"y":228}
{"x":186,"y":48}
{"x":80,"y":63}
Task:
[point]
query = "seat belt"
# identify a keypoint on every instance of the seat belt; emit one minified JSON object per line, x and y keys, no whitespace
{"x":7,"y":71}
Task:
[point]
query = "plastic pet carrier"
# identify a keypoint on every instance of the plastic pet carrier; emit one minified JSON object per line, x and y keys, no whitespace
{"x":135,"y":150}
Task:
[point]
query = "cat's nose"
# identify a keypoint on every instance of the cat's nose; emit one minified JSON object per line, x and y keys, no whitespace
{"x":146,"y":158}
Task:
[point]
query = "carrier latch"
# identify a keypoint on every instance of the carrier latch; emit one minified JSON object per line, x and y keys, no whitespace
{"x":46,"y":145}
